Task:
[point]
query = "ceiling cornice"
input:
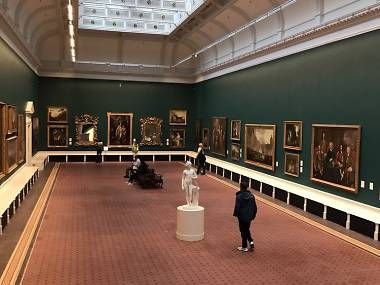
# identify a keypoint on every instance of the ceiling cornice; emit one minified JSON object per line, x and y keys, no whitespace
{"x":355,"y":24}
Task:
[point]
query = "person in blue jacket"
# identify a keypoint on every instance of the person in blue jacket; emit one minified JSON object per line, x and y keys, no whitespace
{"x":245,"y":210}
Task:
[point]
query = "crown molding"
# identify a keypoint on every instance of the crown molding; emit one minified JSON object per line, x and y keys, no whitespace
{"x":347,"y":27}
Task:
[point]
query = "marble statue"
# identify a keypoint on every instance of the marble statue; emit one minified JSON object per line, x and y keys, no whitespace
{"x":190,"y":185}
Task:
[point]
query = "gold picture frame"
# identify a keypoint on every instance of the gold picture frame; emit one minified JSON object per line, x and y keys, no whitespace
{"x":292,"y":164}
{"x":11,"y":119}
{"x":57,"y":115}
{"x":335,"y":156}
{"x":219,"y":135}
{"x":11,"y":154}
{"x":21,"y":139}
{"x":260,"y":149}
{"x":177,"y":138}
{"x":235,"y":129}
{"x":293,"y":135}
{"x":119,"y":130}
{"x":235,"y":151}
{"x":151,"y":131}
{"x":178,"y":117}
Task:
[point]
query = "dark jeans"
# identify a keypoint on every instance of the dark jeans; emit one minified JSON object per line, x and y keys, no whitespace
{"x":132,"y":175}
{"x":201,"y":168}
{"x":245,"y":233}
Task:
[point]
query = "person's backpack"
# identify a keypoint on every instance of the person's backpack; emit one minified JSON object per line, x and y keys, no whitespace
{"x":252,"y":207}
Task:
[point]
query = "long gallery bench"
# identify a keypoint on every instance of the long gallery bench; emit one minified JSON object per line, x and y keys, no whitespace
{"x":13,"y":192}
{"x":343,"y":211}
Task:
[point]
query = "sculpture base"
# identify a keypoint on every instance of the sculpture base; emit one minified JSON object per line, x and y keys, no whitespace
{"x":190,"y":223}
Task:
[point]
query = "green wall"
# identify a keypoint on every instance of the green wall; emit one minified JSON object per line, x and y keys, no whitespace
{"x":19,"y":84}
{"x":97,"y":97}
{"x":334,"y":84}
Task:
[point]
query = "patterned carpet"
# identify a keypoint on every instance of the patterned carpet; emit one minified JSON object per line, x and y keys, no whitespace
{"x":98,"y":230}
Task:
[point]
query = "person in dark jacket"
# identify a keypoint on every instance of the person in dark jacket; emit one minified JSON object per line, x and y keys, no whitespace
{"x":201,"y":157}
{"x":245,"y":210}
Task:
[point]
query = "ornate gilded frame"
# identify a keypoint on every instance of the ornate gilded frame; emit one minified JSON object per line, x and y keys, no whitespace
{"x":333,"y":136}
{"x":147,"y":137}
{"x":86,"y":119}
{"x":286,"y":126}
{"x":123,"y":117}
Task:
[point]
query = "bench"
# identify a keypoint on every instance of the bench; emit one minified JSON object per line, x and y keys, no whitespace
{"x":13,"y":192}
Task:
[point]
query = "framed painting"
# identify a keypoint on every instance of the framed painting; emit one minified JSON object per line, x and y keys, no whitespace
{"x":57,"y":136}
{"x":177,"y":117}
{"x":3,"y":131}
{"x":235,"y":129}
{"x":198,"y":131}
{"x":260,"y":143}
{"x":293,"y":135}
{"x":57,"y":115}
{"x":292,"y":164}
{"x":21,"y":139}
{"x":151,"y":131}
{"x":235,"y":151}
{"x":218,"y":135}
{"x":335,"y":154}
{"x":177,"y":138}
{"x":119,"y":129}
{"x":11,"y":119}
{"x":206,"y":138}
{"x":11,"y":153}
{"x":35,"y":133}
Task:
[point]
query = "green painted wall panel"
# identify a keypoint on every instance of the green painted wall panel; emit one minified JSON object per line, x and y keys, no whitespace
{"x":334,"y":84}
{"x":18,"y":83}
{"x":97,"y":97}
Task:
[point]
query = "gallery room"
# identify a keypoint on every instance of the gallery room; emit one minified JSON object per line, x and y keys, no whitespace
{"x":189,"y":142}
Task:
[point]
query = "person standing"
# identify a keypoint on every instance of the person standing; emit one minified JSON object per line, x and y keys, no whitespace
{"x":245,"y":210}
{"x":99,"y":149}
{"x":201,"y":158}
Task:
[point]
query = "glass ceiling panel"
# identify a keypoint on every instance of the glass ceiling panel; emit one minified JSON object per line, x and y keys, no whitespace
{"x":135,"y":16}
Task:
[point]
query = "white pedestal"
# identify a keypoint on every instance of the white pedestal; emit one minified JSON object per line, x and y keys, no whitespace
{"x":190,"y":223}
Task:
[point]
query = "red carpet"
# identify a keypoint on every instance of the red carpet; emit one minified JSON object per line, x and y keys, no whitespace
{"x":98,"y":230}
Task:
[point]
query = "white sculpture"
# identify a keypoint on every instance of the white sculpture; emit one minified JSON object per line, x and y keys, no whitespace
{"x":190,"y":186}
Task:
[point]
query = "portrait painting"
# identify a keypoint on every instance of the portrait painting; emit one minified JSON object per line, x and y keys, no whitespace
{"x":293,"y":135}
{"x":11,"y":119}
{"x":198,"y":131}
{"x":120,"y":129}
{"x":177,"y":117}
{"x":235,"y":151}
{"x":335,"y":155}
{"x":205,"y":137}
{"x":57,"y":115}
{"x":235,"y":129}
{"x":11,"y":153}
{"x":260,"y":142}
{"x":21,"y":139}
{"x":218,"y":135}
{"x":35,"y":132}
{"x":292,"y":164}
{"x":177,"y":138}
{"x":57,"y":136}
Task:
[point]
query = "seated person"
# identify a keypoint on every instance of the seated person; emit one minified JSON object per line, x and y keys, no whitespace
{"x":133,"y":169}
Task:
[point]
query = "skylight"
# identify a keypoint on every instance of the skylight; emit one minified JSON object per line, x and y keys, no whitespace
{"x":135,"y":16}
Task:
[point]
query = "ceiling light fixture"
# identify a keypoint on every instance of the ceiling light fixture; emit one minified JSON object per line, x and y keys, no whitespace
{"x":240,"y":29}
{"x":70,"y":16}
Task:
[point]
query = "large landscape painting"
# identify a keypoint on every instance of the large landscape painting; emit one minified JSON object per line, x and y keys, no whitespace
{"x":260,"y":145}
{"x":335,"y":155}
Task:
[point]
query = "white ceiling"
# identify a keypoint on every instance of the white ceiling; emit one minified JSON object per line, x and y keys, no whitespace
{"x":38,"y":29}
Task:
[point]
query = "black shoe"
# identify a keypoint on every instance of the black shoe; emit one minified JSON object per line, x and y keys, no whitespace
{"x":251,"y":245}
